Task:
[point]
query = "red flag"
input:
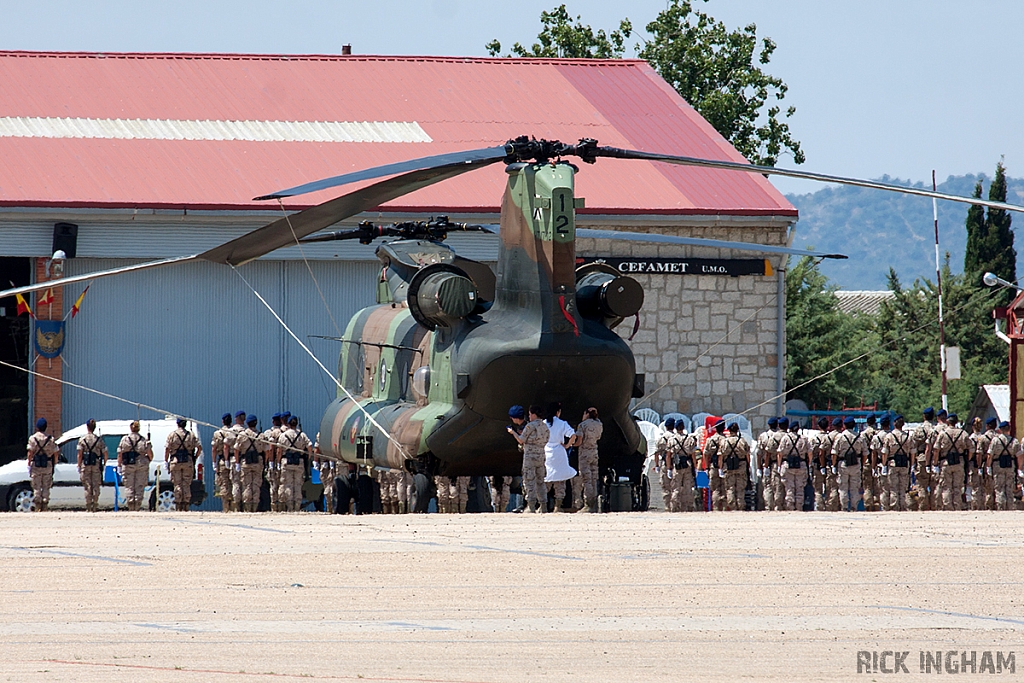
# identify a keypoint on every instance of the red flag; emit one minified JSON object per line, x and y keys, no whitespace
{"x":46,"y":298}
{"x":78,"y":302}
{"x":23,"y":306}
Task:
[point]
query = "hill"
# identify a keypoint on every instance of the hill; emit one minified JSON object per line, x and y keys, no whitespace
{"x":882,"y":229}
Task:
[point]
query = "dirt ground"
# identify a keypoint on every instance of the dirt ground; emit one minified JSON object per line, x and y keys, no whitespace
{"x":558,"y":597}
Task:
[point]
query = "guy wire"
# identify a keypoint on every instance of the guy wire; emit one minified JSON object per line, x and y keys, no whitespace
{"x":288,"y":219}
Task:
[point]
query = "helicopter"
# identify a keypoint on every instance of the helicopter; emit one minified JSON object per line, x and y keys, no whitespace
{"x":427,"y":375}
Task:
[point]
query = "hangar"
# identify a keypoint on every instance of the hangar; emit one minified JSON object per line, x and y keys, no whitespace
{"x":150,"y":156}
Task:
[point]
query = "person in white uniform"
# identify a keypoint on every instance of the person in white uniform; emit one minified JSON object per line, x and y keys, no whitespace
{"x":556,"y":459}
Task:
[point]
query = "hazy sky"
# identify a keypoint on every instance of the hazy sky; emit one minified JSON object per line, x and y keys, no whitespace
{"x":894,"y":87}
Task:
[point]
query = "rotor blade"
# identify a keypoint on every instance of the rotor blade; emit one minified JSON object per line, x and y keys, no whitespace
{"x":436,"y":161}
{"x":286,"y":230}
{"x":617,"y":153}
{"x":96,"y":275}
{"x":699,"y":242}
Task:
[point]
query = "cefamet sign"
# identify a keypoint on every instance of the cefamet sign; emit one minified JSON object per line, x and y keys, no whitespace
{"x":683,"y":266}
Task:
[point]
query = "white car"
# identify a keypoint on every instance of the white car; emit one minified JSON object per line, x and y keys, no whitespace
{"x":67,"y":492}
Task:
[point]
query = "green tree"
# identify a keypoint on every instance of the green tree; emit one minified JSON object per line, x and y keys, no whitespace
{"x":990,"y":239}
{"x":717,"y":71}
{"x":561,"y":37}
{"x":820,"y":337}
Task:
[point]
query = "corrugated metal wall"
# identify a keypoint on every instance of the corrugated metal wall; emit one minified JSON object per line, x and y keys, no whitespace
{"x":194,"y":340}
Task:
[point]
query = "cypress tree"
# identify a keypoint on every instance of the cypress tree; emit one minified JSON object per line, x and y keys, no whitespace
{"x":1000,"y":256}
{"x":973,"y":259}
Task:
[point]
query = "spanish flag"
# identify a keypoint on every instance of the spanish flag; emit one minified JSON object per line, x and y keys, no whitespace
{"x":78,"y":302}
{"x":46,"y":298}
{"x":23,"y":306}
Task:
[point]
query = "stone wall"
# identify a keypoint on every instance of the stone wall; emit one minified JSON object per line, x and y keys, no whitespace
{"x":707,"y":343}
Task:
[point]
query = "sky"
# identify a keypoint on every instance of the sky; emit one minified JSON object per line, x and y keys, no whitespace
{"x":896,"y":87}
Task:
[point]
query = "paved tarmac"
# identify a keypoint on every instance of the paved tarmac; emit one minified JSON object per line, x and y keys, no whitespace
{"x":616,"y":597}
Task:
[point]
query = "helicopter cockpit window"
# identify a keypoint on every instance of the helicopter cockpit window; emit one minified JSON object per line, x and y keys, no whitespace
{"x":421,"y":381}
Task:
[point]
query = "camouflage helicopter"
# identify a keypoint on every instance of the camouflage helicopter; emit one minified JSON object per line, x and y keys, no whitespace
{"x":426,"y":376}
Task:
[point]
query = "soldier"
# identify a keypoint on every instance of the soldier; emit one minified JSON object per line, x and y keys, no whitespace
{"x":791,"y":461}
{"x":867,"y":472}
{"x":325,"y":467}
{"x":664,"y":450}
{"x":588,"y":433}
{"x":832,"y":474}
{"x":248,"y":452}
{"x":501,"y":486}
{"x":269,"y":439}
{"x":848,"y":451}
{"x":1004,"y":457}
{"x":295,"y":448}
{"x":767,"y":444}
{"x":444,"y":487}
{"x":983,"y":493}
{"x":952,"y":447}
{"x":685,"y":492}
{"x":942,"y":419}
{"x":712,"y":447}
{"x":181,"y":451}
{"x":533,"y":439}
{"x":821,"y":459}
{"x":134,"y":454}
{"x":898,"y":450}
{"x":236,"y":465}
{"x":92,"y":459}
{"x":881,"y":467}
{"x":220,"y":449}
{"x":41,"y":458}
{"x":923,"y":436}
{"x":734,"y":460}
{"x":461,"y":495}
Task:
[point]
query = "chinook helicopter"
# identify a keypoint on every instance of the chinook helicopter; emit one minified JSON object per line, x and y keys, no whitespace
{"x":425,"y":377}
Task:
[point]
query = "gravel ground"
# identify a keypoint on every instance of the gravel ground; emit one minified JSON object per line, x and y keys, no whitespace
{"x":615,"y":597}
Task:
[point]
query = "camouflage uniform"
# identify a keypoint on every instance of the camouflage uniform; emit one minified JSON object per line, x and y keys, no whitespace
{"x":42,"y":457}
{"x":711,"y":450}
{"x":983,"y":495}
{"x":294,"y":447}
{"x":270,"y":438}
{"x":462,"y":493}
{"x":867,"y":471}
{"x":535,"y":437}
{"x":180,"y":452}
{"x":92,"y":459}
{"x":923,"y":437}
{"x":734,"y":458}
{"x":952,"y":446}
{"x":249,"y":453}
{"x":831,"y":478}
{"x":767,"y":445}
{"x":444,"y":493}
{"x":898,"y":450}
{"x":684,"y":491}
{"x":665,"y":449}
{"x":791,"y":460}
{"x":500,"y":493}
{"x":235,"y":471}
{"x":134,"y":454}
{"x":817,"y":445}
{"x":848,"y":450}
{"x":1004,"y":458}
{"x":585,"y":485}
{"x":220,"y":449}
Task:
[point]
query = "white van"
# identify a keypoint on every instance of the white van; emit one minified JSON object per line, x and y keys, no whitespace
{"x":67,"y":492}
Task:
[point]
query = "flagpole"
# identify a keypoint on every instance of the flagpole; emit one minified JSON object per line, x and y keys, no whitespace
{"x":938,"y":281}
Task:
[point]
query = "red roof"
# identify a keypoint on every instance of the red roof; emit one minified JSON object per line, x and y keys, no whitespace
{"x":459,"y":103}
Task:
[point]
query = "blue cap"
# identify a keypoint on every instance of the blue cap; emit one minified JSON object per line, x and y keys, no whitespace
{"x":783,"y":423}
{"x":992,"y":422}
{"x":870,"y":419}
{"x":670,"y":423}
{"x":286,"y":415}
{"x":41,"y":424}
{"x":942,"y":413}
{"x":225,"y":416}
{"x":928,"y":411}
{"x":517,"y":412}
{"x":251,"y":420}
{"x":822,"y":422}
{"x":240,"y":413}
{"x":897,"y":418}
{"x":292,"y":418}
{"x":849,"y":421}
{"x":719,"y":425}
{"x":885,"y":420}
{"x":276,"y":416}
{"x":734,"y":427}
{"x":953,"y":417}
{"x":773,"y":421}
{"x":837,"y":421}
{"x":795,"y":426}
{"x":182,"y":422}
{"x":1004,"y":425}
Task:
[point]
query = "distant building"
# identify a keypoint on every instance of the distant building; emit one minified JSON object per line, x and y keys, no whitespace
{"x":993,"y":400}
{"x":862,"y":301}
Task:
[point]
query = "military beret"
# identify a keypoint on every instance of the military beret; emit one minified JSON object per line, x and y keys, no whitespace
{"x":1004,"y":425}
{"x":286,"y":415}
{"x":517,"y":412}
{"x":942,"y":413}
{"x":953,"y":417}
{"x":251,"y":420}
{"x":795,"y":426}
{"x":837,"y":421}
{"x":293,"y":420}
{"x":225,"y":416}
{"x":734,"y":427}
{"x":783,"y":423}
{"x":885,"y":420}
{"x":870,"y":419}
{"x":41,"y":424}
{"x":240,"y":413}
{"x":849,"y":421}
{"x":670,"y":423}
{"x":929,"y":411}
{"x":991,"y":422}
{"x":719,"y":426}
{"x":773,"y":421}
{"x":182,"y":422}
{"x":898,"y":418}
{"x":822,"y":422}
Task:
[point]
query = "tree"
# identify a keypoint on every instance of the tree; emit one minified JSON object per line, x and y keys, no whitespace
{"x":717,"y":71}
{"x":990,"y":239}
{"x":560,"y":37}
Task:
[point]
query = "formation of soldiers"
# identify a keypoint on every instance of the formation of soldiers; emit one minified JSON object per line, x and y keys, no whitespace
{"x":884,"y":464}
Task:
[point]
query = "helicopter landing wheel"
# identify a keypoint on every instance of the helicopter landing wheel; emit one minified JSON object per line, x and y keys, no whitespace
{"x":422,"y":493}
